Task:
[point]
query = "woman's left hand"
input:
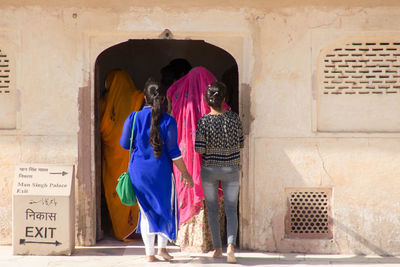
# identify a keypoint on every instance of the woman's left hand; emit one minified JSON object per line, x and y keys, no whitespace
{"x":187,"y":179}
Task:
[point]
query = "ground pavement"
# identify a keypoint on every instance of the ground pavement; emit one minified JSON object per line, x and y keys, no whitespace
{"x":109,"y":253}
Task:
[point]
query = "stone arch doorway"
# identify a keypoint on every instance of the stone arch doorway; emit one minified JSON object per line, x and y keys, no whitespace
{"x":144,"y":58}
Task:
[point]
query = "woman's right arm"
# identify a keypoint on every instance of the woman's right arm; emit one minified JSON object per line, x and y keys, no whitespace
{"x":175,"y":153}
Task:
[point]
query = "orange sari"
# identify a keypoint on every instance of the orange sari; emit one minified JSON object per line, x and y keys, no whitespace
{"x":121,"y":99}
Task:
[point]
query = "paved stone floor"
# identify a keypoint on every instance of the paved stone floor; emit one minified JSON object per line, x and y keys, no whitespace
{"x":109,"y":253}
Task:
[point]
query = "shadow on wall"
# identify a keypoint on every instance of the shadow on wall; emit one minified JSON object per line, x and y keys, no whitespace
{"x":297,"y":163}
{"x":83,"y":195}
{"x":245,"y":108}
{"x":362,"y":240}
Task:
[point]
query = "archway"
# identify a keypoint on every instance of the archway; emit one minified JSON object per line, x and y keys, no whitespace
{"x":144,"y":58}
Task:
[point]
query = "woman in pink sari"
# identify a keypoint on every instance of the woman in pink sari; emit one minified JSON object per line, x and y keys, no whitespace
{"x":187,"y":104}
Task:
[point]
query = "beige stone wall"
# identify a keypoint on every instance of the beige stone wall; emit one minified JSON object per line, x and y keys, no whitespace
{"x":286,"y":151}
{"x":273,"y":42}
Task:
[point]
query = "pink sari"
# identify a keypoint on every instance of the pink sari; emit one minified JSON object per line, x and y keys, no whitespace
{"x":188,"y":106}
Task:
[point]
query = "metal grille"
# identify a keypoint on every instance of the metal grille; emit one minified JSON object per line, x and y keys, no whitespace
{"x":4,"y":74}
{"x":368,"y":67}
{"x":309,"y":213}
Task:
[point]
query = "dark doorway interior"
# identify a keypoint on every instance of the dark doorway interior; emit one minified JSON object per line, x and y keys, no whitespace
{"x":144,"y":58}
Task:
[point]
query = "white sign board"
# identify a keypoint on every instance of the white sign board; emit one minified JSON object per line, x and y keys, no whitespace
{"x":43,"y":210}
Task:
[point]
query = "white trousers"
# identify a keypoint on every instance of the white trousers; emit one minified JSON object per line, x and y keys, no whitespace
{"x":149,"y":238}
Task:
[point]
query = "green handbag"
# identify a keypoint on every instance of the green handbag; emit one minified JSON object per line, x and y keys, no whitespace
{"x":124,"y":187}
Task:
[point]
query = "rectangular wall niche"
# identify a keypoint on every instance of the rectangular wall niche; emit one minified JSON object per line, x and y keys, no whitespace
{"x":362,"y":68}
{"x":359,"y":85}
{"x":309,"y":213}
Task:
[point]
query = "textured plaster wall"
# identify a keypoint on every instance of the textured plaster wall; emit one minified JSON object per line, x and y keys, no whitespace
{"x":274,"y":52}
{"x":47,"y":81}
{"x":362,"y":168}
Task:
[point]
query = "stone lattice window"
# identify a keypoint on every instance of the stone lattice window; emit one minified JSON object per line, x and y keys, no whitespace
{"x":309,"y":213}
{"x":4,"y":73}
{"x":358,"y":81}
{"x":7,"y":93}
{"x":364,"y":67}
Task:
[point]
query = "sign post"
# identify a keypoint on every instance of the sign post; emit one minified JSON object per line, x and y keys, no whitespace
{"x":43,"y":210}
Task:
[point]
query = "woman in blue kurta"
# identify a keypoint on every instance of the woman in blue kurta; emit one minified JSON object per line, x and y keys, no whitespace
{"x":153,"y":151}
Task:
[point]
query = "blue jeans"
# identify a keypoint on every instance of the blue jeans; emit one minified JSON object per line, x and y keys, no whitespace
{"x":229,"y":177}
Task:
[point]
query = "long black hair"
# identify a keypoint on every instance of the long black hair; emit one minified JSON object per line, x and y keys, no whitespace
{"x":155,"y":95}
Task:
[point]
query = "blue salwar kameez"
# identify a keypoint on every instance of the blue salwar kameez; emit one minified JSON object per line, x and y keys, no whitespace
{"x":152,"y":177}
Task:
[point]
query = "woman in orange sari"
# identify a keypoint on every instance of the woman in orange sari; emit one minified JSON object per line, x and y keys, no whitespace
{"x":120,"y":99}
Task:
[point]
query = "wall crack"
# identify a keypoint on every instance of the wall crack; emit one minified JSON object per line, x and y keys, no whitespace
{"x":323,"y":164}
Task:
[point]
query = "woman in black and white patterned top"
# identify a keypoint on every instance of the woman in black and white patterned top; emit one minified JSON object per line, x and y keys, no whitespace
{"x":219,"y":138}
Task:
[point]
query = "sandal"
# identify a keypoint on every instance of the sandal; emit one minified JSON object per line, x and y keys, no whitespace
{"x":150,"y":258}
{"x":230,"y":254}
{"x":165,"y":255}
{"x":230,"y":257}
{"x":217,"y":253}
